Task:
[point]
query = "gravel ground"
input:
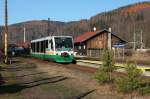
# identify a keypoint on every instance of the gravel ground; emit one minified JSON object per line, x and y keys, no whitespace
{"x":35,"y":79}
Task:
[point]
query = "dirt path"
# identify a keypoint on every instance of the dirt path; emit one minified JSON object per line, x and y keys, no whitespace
{"x":32,"y":79}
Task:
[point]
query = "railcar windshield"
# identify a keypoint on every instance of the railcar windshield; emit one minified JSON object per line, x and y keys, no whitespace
{"x":63,"y":44}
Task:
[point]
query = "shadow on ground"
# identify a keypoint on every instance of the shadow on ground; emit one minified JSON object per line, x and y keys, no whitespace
{"x":14,"y":88}
{"x":82,"y":95}
{"x":32,"y":74}
{"x":1,"y":80}
{"x":16,"y":68}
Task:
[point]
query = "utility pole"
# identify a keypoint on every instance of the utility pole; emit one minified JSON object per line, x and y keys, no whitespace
{"x":134,"y":43}
{"x":6,"y":32}
{"x":141,"y":39}
{"x":48,"y":25}
{"x":24,"y":34}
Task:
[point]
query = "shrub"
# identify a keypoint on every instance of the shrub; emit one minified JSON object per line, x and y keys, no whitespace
{"x":145,"y":90}
{"x":101,"y":77}
{"x":145,"y":87}
{"x":105,"y":71}
{"x":131,"y":81}
{"x":108,"y":62}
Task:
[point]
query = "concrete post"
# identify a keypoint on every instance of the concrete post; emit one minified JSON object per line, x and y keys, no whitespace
{"x":109,"y":39}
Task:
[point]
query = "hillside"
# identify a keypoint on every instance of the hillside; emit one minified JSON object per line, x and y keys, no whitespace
{"x":124,"y":21}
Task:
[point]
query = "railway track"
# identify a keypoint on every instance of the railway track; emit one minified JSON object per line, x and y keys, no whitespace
{"x":70,"y":66}
{"x":77,"y":67}
{"x":66,"y":65}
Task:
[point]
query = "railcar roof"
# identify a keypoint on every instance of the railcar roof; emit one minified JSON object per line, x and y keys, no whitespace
{"x":48,"y":37}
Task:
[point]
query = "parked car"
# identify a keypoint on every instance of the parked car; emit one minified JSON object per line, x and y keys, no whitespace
{"x":15,"y":51}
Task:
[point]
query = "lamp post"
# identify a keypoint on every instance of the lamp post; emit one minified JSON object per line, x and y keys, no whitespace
{"x":6,"y":32}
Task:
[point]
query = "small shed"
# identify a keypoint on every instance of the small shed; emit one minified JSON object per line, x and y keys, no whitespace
{"x":92,"y":44}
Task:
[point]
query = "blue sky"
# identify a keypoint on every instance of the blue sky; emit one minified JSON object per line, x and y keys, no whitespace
{"x":58,"y":10}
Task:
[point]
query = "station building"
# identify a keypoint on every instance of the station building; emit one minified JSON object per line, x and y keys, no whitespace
{"x":92,"y":44}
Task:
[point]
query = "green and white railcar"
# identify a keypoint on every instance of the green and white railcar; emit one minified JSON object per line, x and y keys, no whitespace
{"x":56,"y":48}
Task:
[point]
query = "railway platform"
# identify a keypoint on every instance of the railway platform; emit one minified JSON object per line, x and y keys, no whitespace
{"x":95,"y":64}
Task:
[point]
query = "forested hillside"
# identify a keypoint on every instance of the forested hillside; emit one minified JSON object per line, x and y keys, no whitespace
{"x":123,"y":21}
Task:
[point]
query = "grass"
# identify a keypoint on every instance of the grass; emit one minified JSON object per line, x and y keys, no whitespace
{"x":60,"y":90}
{"x":41,"y":85}
{"x":66,"y":91}
{"x":140,"y":59}
{"x":8,"y":74}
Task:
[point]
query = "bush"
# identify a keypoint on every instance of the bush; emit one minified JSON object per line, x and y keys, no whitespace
{"x":105,"y":71}
{"x":145,"y":90}
{"x":108,"y":62}
{"x":101,"y":77}
{"x":130,"y":82}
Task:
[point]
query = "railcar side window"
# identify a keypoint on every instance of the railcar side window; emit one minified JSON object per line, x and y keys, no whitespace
{"x":34,"y":48}
{"x":42,"y":46}
{"x":37,"y":47}
{"x":46,"y":43}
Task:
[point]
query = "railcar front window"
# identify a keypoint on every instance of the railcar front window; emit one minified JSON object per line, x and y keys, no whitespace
{"x":63,"y":44}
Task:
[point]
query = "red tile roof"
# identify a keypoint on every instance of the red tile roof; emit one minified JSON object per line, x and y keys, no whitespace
{"x":83,"y":37}
{"x":87,"y":35}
